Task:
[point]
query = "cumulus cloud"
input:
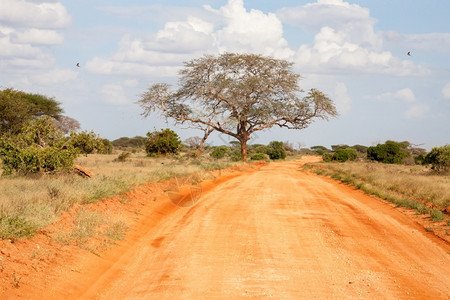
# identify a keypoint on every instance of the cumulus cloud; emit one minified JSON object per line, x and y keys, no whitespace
{"x":446,"y":91}
{"x":351,"y":20}
{"x":28,"y":29}
{"x":251,"y":31}
{"x":163,"y":52}
{"x":37,"y":36}
{"x":414,"y":109}
{"x":190,"y":36}
{"x":114,"y":94}
{"x":341,"y":98}
{"x":405,"y":95}
{"x":345,"y":40}
{"x":28,"y":14}
{"x":417,"y":111}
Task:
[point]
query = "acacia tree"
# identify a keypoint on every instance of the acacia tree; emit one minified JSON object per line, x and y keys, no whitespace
{"x":238,"y":94}
{"x":17,"y":108}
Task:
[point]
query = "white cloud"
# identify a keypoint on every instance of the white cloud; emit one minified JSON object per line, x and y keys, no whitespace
{"x":414,"y":109}
{"x":345,"y":40}
{"x":417,"y":111}
{"x":251,"y":31}
{"x":27,"y":14}
{"x":55,"y":76}
{"x":446,"y":91}
{"x":100,"y":65}
{"x":37,"y":36}
{"x":405,"y":95}
{"x":114,"y":94}
{"x":192,"y":35}
{"x":351,"y":20}
{"x":438,"y":42}
{"x":342,"y":99}
{"x":164,"y":52}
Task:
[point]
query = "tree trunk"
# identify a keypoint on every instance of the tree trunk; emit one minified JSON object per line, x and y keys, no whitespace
{"x":244,"y":150}
{"x":205,"y":137}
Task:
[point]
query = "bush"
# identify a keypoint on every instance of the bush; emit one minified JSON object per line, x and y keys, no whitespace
{"x":327,"y":157}
{"x":319,"y":150}
{"x":88,"y":142}
{"x":162,"y":142}
{"x":219,"y":152}
{"x":236,"y":155}
{"x":341,"y":155}
{"x":38,"y":147}
{"x":276,"y":150}
{"x":123,"y":156}
{"x":258,"y":156}
{"x":389,"y":153}
{"x":439,"y":158}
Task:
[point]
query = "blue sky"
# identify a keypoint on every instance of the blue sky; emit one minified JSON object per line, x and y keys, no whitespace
{"x":354,"y":51}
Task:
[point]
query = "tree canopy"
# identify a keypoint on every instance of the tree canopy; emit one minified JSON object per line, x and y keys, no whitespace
{"x":17,"y":108}
{"x":238,"y":95}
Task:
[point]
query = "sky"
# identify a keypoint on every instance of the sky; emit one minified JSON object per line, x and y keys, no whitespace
{"x":353,"y":51}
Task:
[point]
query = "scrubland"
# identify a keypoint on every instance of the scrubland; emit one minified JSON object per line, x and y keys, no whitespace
{"x":28,"y":203}
{"x":416,"y":187}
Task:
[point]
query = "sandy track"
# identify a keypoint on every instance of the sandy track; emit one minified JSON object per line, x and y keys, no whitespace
{"x":275,"y":233}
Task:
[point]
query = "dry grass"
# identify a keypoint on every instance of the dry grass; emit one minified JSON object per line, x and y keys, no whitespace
{"x":30,"y":203}
{"x":410,"y":186}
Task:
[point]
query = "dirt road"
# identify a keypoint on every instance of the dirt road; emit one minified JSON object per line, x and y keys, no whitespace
{"x":274,"y":233}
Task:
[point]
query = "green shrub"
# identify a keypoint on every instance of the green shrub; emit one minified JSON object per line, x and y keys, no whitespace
{"x":327,"y":157}
{"x":341,"y":155}
{"x":258,"y":156}
{"x":276,"y":150}
{"x":319,"y":150}
{"x":88,"y":142}
{"x":38,"y":147}
{"x":219,"y":152}
{"x":162,"y":142}
{"x":439,"y":158}
{"x":16,"y":227}
{"x":236,"y":155}
{"x":389,"y":153}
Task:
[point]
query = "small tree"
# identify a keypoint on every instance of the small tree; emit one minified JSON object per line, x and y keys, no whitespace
{"x":17,"y":108}
{"x":345,"y":154}
{"x":439,"y":158}
{"x":86,"y":142}
{"x":238,"y":95}
{"x":220,"y":152}
{"x":389,"y":153}
{"x":275,"y":150}
{"x":38,"y":147}
{"x":162,"y":142}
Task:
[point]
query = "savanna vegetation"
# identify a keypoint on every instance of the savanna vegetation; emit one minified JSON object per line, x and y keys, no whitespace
{"x":395,"y":171}
{"x":234,"y":94}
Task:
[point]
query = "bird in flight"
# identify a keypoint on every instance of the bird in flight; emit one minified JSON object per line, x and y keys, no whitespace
{"x":78,"y":65}
{"x":409,"y":53}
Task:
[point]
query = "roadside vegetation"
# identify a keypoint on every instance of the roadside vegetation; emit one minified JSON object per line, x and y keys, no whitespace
{"x":38,"y":160}
{"x":395,"y":171}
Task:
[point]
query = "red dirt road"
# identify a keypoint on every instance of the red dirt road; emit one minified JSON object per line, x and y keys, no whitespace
{"x":274,"y":233}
